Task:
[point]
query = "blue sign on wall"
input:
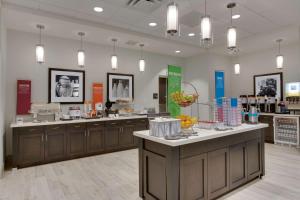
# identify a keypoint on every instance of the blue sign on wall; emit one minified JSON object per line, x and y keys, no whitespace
{"x":219,"y":86}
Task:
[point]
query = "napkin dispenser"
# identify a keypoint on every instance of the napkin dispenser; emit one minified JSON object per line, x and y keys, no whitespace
{"x":161,"y":127}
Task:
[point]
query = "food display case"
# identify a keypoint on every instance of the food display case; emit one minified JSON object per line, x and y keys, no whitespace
{"x":286,"y":130}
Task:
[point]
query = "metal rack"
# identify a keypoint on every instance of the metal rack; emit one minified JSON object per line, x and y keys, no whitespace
{"x":286,"y":130}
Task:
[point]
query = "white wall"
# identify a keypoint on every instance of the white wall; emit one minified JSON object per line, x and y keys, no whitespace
{"x":199,"y":71}
{"x":263,"y":62}
{"x":2,"y":86}
{"x":61,"y":53}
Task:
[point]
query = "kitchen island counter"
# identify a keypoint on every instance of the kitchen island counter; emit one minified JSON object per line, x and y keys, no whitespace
{"x":75,"y":121}
{"x":203,"y":134}
{"x":201,"y":167}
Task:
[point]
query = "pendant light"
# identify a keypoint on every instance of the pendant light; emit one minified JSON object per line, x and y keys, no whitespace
{"x":231,"y":32}
{"x":237,"y":69}
{"x":206,"y":39}
{"x":279,"y":57}
{"x":114,"y":58}
{"x":172,"y":19}
{"x":142,"y":63}
{"x":81,"y":54}
{"x":39,"y":48}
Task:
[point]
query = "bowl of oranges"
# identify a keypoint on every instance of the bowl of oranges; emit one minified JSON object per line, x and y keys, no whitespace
{"x":183,"y":99}
{"x":187,"y":121}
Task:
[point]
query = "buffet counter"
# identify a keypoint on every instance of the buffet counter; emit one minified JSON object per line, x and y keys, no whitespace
{"x":45,"y":142}
{"x":200,"y":167}
{"x":28,"y":124}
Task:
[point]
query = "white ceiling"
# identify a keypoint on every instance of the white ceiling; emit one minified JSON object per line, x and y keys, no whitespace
{"x":64,"y":18}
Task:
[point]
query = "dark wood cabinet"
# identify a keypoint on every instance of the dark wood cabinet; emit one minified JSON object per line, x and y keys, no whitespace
{"x":55,"y":143}
{"x":154,"y":176}
{"x":126,"y":138}
{"x":269,"y":132}
{"x":218,"y":172}
{"x":237,"y":165}
{"x":193,"y":170}
{"x":31,"y":146}
{"x":44,"y":144}
{"x":95,"y":137}
{"x":76,"y":140}
{"x":112,"y":138}
{"x":254,"y":165}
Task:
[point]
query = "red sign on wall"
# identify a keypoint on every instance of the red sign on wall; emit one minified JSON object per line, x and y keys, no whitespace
{"x":23,"y":96}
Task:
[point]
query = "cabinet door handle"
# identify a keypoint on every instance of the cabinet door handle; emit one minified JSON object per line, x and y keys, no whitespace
{"x":55,"y":128}
{"x":33,"y":129}
{"x":77,"y":126}
{"x":88,"y":134}
{"x":46,"y":137}
{"x":42,"y":138}
{"x":96,"y":124}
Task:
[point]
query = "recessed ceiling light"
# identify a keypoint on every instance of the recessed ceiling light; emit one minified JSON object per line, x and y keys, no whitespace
{"x":177,"y":51}
{"x":98,"y":9}
{"x":152,"y":24}
{"x":191,"y":34}
{"x":237,"y":16}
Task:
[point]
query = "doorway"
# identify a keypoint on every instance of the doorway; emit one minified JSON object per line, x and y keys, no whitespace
{"x":163,"y":94}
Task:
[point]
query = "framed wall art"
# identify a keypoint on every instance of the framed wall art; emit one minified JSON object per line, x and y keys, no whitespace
{"x":66,"y":86}
{"x":120,"y":86}
{"x":270,"y":85}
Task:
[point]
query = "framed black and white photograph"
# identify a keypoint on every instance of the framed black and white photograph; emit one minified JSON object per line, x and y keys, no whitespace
{"x":66,"y":86}
{"x":270,"y":85}
{"x":120,"y":87}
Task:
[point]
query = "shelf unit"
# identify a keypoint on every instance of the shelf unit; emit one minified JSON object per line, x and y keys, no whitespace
{"x":286,"y":130}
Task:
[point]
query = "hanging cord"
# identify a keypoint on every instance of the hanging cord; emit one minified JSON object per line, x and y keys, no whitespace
{"x":40,"y":27}
{"x":205,"y":8}
{"x":142,"y":52}
{"x":231,"y":16}
{"x":40,"y":37}
{"x":81,"y":42}
{"x":114,"y":47}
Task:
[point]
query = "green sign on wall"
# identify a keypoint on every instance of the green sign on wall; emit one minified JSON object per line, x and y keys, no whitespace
{"x":174,"y":84}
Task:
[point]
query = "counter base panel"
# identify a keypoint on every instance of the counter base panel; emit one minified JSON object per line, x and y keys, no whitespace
{"x":202,"y":170}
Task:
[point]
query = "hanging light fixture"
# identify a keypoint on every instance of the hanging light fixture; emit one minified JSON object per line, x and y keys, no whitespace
{"x":172,"y":19}
{"x":81,"y":54}
{"x":279,"y":57}
{"x":206,"y":39}
{"x":114,"y":58}
{"x":39,"y":48}
{"x":231,"y":32}
{"x":142,"y":63}
{"x":237,"y":68}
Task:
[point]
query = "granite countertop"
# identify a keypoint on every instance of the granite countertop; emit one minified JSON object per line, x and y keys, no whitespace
{"x":276,"y":114}
{"x":202,"y":134}
{"x":28,"y":124}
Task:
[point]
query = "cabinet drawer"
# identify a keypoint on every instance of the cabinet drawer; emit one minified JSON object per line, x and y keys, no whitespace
{"x":32,"y":130}
{"x":142,"y":121}
{"x":129,"y":122}
{"x":113,"y":123}
{"x":95,"y":125}
{"x":76,"y":127}
{"x":55,"y":128}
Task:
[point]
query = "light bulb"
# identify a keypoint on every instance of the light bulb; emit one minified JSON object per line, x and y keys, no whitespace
{"x":142,"y":65}
{"x":40,"y":53}
{"x":172,"y":19}
{"x":279,"y":61}
{"x":114,"y":62}
{"x":237,"y":69}
{"x":231,"y":38}
{"x":206,"y":28}
{"x":81,"y":58}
